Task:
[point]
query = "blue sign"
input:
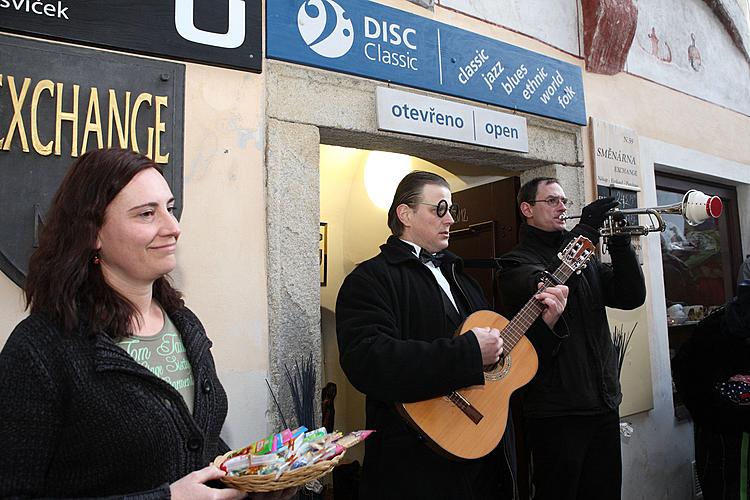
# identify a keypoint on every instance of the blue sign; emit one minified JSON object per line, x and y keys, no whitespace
{"x":368,"y":39}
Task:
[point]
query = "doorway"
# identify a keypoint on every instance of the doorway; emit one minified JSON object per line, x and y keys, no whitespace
{"x":356,"y":190}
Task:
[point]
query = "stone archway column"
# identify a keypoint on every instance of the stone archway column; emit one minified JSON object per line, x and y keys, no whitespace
{"x":292,"y":217}
{"x":571,"y":180}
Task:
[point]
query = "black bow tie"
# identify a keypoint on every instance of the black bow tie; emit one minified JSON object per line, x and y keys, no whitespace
{"x":435,"y":258}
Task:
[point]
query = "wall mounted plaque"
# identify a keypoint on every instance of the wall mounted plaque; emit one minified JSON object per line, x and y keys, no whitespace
{"x":57,"y":102}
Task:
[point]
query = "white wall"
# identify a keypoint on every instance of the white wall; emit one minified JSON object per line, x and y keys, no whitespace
{"x":553,"y":22}
{"x":222,"y":251}
{"x":660,"y":52}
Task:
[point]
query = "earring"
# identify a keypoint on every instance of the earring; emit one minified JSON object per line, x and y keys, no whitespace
{"x":97,"y":259}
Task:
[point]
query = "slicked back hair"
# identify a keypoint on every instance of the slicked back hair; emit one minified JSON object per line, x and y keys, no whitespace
{"x":409,"y":192}
{"x":63,"y":282}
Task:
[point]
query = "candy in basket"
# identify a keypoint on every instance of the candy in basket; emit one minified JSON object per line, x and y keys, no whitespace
{"x":287,"y":459}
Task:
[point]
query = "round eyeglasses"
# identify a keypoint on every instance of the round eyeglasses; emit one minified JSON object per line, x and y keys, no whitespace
{"x":553,"y":201}
{"x":442,"y":208}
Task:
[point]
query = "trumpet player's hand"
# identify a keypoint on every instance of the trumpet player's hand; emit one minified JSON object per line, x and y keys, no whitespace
{"x":594,"y":213}
{"x":618,"y":242}
{"x":554,"y":298}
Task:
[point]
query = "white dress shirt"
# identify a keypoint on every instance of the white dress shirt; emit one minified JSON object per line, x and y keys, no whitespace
{"x":436,"y":272}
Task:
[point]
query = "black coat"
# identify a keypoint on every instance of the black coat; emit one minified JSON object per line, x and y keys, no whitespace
{"x":80,"y":418}
{"x":396,"y":344}
{"x":577,"y":373}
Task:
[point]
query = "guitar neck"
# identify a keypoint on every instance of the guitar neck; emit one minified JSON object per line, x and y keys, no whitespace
{"x":529,"y":313}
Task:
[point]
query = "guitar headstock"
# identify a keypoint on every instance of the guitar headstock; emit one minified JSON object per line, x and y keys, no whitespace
{"x":577,"y":253}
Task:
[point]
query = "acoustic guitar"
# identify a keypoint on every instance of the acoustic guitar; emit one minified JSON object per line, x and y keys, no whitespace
{"x":469,"y":423}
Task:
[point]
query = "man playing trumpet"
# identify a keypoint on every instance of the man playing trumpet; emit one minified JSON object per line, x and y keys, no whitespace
{"x":571,"y":405}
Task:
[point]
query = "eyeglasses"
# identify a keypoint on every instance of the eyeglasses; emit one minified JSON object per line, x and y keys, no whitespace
{"x":442,"y":208}
{"x":553,"y":201}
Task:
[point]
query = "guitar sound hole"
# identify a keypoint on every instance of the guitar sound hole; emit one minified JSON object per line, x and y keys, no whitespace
{"x":495,"y":366}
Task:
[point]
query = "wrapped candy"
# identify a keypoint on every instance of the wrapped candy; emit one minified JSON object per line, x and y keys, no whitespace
{"x":290,"y":450}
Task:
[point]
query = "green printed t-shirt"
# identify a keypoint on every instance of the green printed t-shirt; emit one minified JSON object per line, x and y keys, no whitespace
{"x":164,"y":355}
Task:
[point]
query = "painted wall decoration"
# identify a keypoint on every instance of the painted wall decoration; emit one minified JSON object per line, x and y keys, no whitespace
{"x":57,"y":102}
{"x":375,"y":41}
{"x":682,"y":44}
{"x":555,"y":23}
{"x":221,"y":32}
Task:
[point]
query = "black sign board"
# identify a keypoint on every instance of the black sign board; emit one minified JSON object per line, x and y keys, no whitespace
{"x":56,"y":102}
{"x":217,"y":32}
{"x":627,"y":198}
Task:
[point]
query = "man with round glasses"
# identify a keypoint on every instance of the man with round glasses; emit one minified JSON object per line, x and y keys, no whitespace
{"x":571,"y":406}
{"x":396,"y":315}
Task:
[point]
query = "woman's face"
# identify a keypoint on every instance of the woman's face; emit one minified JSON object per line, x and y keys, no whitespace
{"x":138,"y":239}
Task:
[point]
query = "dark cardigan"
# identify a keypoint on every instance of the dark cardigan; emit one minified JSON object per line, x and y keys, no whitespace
{"x":79,"y":417}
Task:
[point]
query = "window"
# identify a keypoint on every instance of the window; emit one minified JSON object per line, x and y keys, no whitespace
{"x":700,"y":262}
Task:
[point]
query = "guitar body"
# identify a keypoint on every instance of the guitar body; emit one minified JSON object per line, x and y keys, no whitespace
{"x":448,"y":428}
{"x":469,"y":422}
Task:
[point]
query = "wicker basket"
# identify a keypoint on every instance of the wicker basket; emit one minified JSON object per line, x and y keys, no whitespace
{"x":253,"y":483}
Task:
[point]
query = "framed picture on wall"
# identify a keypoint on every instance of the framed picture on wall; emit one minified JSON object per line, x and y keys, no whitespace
{"x":323,"y":252}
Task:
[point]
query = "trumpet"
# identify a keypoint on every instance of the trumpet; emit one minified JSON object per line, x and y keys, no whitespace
{"x":695,"y":208}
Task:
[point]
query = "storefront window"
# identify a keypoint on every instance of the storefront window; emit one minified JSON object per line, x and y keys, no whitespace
{"x":700,"y":262}
{"x":692,"y":257}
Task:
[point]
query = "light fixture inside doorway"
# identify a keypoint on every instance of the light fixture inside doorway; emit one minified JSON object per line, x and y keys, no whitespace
{"x":383,"y":172}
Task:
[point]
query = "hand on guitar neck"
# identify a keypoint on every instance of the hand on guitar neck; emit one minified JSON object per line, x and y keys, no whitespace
{"x":554,"y":299}
{"x":490,"y":344}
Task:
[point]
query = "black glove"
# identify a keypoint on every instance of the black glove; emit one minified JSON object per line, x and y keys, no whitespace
{"x":618,"y":242}
{"x":594,"y":213}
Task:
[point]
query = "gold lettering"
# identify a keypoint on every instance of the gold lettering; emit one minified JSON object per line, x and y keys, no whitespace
{"x":125,"y":126}
{"x":142,"y":97}
{"x":150,"y":150}
{"x":114,"y":117}
{"x":17,"y":120}
{"x":67,"y":116}
{"x":42,"y":149}
{"x":96,"y":125}
{"x":160,"y":127}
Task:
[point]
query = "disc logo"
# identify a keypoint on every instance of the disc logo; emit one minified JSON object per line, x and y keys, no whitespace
{"x":325,"y":28}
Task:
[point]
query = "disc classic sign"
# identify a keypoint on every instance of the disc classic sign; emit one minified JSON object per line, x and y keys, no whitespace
{"x":218,"y":32}
{"x":56,"y":103}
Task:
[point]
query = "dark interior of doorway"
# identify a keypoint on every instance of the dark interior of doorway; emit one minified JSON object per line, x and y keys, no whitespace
{"x":485,"y":229}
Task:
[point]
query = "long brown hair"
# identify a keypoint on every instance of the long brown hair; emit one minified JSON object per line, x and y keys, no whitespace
{"x":63,"y":282}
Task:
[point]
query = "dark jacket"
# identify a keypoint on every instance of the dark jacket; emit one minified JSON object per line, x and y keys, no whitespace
{"x":396,"y":344}
{"x":578,"y":373}
{"x":718,"y":349}
{"x":80,"y":418}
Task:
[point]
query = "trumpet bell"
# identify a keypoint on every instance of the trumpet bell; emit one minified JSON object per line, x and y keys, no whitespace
{"x":698,"y":206}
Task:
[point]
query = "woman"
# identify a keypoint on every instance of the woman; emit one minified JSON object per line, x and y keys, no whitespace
{"x":109,"y":387}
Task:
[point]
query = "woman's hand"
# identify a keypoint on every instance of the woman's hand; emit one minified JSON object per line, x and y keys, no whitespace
{"x":193,"y":486}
